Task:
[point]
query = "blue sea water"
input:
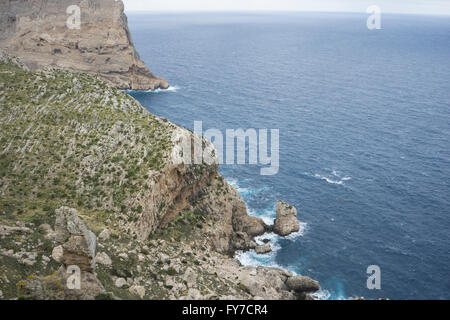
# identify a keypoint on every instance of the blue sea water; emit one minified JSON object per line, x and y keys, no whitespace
{"x":364,"y":120}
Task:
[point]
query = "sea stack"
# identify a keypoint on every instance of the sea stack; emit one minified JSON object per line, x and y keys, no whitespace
{"x":286,"y":221}
{"x":82,"y":36}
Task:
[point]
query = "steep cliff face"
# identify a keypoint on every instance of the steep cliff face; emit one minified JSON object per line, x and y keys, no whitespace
{"x":37,"y":31}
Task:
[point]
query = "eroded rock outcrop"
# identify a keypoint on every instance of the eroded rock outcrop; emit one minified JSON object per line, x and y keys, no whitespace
{"x":233,"y":228}
{"x":78,"y":244}
{"x":286,"y":221}
{"x":37,"y":32}
{"x":302,"y":284}
{"x":76,"y":251}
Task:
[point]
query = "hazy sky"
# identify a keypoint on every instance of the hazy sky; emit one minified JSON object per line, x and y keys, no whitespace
{"x":394,"y":6}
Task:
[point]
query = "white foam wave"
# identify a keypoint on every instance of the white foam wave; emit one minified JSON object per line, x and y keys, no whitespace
{"x":267,"y":216}
{"x":332,"y":180}
{"x":170,"y":89}
{"x":251,"y":258}
{"x":318,"y":176}
{"x":321,"y":295}
{"x":300,"y":233}
{"x":273,"y":240}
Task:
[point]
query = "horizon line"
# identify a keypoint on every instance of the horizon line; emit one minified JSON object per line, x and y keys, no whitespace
{"x":256,"y":11}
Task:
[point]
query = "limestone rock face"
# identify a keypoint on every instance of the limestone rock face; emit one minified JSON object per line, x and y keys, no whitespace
{"x":78,"y":243}
{"x":43,"y":33}
{"x":286,"y":221}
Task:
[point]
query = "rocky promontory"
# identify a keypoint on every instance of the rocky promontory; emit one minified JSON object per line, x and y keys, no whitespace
{"x":77,"y":35}
{"x":88,"y":177}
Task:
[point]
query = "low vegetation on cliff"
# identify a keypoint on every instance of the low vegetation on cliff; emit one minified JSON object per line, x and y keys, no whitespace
{"x":69,"y":139}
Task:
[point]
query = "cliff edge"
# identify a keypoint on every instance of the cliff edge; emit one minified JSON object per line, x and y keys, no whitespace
{"x":86,"y":36}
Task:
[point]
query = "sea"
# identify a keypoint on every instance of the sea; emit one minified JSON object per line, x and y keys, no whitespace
{"x":364,"y":134}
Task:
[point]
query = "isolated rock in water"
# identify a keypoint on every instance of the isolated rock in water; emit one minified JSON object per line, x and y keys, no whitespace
{"x":42,"y":33}
{"x":263,"y":249}
{"x":77,"y":241}
{"x":286,"y":221}
{"x":302,"y":284}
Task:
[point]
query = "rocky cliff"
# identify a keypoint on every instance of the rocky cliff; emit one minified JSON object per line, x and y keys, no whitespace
{"x":80,"y":35}
{"x":80,"y":161}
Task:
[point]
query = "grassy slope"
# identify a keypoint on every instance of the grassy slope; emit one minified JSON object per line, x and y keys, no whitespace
{"x":69,"y":139}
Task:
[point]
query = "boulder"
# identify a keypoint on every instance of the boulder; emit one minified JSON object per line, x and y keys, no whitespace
{"x":103,"y":259}
{"x":57,"y":253}
{"x":266,"y":283}
{"x":190,"y":277}
{"x":302,"y":284}
{"x":104,"y":235}
{"x":263,"y":249}
{"x":137,"y":290}
{"x":286,"y":221}
{"x":120,"y":282}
